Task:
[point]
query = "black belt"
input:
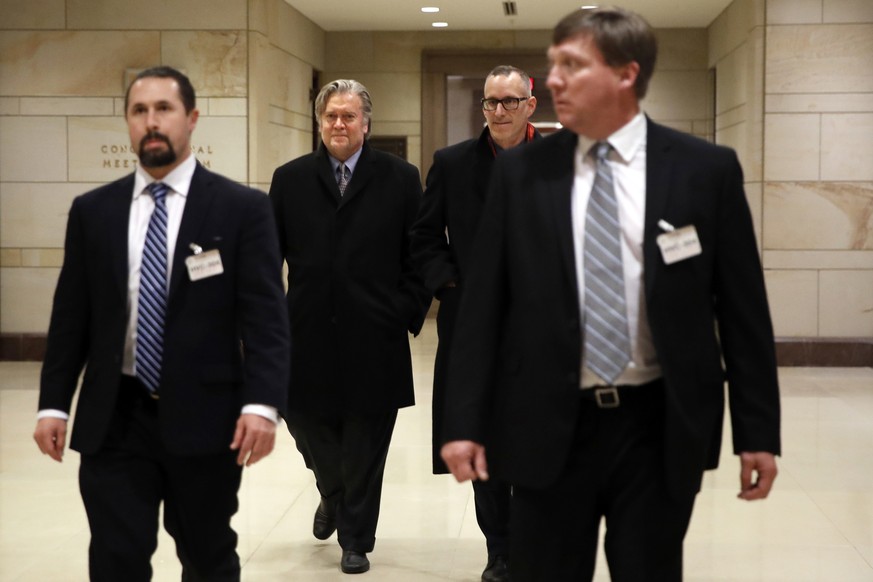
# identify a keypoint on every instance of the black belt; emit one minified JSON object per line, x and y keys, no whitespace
{"x":615,"y":396}
{"x":132,"y":387}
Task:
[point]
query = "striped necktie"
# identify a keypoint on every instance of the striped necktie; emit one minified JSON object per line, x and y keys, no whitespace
{"x":342,"y":178}
{"x":152,"y":305}
{"x":607,"y":341}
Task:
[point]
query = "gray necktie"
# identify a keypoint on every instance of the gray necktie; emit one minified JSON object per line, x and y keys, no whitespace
{"x":342,"y":180}
{"x":607,"y":341}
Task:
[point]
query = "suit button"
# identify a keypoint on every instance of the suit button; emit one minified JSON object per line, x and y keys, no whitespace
{"x":573,"y":378}
{"x":333,"y":319}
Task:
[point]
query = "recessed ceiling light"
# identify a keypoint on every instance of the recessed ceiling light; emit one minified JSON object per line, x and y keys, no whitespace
{"x":430,"y":9}
{"x":589,"y":6}
{"x":440,"y":24}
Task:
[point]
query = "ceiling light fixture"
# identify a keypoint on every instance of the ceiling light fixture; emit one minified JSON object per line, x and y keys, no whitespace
{"x":440,"y":24}
{"x":430,"y":9}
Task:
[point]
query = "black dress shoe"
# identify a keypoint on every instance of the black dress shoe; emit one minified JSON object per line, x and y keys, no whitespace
{"x":497,"y":569}
{"x":354,"y":562}
{"x":324,"y":522}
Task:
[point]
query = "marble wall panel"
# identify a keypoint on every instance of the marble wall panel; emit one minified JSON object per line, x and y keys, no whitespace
{"x":67,"y":106}
{"x":32,"y":14}
{"x":26,"y":298}
{"x":755,"y":198}
{"x":216,"y":62}
{"x":818,"y":215}
{"x":73,"y":63}
{"x":851,"y":11}
{"x":33,"y":149}
{"x":819,"y":102}
{"x":350,"y":51}
{"x":818,"y":260}
{"x":42,"y":257}
{"x":156,"y":15}
{"x":731,"y":28}
{"x":819,"y":59}
{"x":731,"y":86}
{"x":295,"y":34}
{"x":100,"y":148}
{"x":794,"y":11}
{"x":220,"y":144}
{"x":679,"y":49}
{"x":34,"y":215}
{"x":675,"y":95}
{"x":224,"y":107}
{"x":847,"y":146}
{"x":793,"y":298}
{"x":846,"y":304}
{"x":792,"y":146}
{"x":10,"y":106}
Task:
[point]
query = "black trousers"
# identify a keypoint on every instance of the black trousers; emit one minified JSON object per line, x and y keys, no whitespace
{"x":492,"y":499}
{"x":124,"y":484}
{"x":347,"y":455}
{"x":616,"y":472}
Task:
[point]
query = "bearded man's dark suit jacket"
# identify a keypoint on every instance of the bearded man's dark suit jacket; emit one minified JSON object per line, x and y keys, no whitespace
{"x":442,"y":245}
{"x":225,"y":344}
{"x":514,"y":369}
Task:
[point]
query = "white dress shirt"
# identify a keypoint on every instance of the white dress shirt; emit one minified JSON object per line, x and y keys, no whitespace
{"x":627,"y":159}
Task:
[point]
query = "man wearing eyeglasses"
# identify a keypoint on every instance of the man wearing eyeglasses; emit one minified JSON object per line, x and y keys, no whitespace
{"x":442,"y":240}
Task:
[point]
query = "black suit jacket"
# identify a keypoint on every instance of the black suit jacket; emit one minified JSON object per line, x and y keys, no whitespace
{"x":442,"y":245}
{"x":225,"y":341}
{"x":353,"y":292}
{"x":514,"y":369}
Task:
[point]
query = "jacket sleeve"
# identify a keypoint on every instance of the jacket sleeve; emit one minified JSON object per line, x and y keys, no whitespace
{"x":430,"y":246}
{"x":415,"y":294}
{"x":68,"y":335}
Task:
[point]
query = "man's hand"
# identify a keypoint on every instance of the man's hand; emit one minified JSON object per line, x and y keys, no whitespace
{"x":466,"y":460}
{"x":764,"y":464}
{"x":254,"y":438}
{"x":51,"y":437}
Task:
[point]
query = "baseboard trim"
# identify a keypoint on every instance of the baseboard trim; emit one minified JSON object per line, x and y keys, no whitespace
{"x":811,"y":351}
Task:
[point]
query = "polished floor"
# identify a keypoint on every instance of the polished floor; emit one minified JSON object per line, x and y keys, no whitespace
{"x":817,"y":525}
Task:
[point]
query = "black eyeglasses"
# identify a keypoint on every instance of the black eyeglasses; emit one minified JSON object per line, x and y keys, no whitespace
{"x":509,"y":103}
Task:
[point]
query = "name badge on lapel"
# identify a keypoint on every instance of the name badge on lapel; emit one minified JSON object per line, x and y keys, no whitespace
{"x":678,"y":244}
{"x":202,"y":265}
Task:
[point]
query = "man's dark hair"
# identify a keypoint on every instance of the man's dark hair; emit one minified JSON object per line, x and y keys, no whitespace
{"x":186,"y":90}
{"x":621,"y":36}
{"x":508,"y":70}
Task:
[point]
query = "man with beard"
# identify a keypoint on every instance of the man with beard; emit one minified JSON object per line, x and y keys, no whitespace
{"x":170,"y":296}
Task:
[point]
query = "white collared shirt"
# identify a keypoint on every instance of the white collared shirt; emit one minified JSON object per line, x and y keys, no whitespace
{"x":627,"y":160}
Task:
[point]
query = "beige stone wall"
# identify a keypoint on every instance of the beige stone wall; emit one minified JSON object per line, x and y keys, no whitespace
{"x":817,"y":170}
{"x":793,"y":95}
{"x":64,"y":66}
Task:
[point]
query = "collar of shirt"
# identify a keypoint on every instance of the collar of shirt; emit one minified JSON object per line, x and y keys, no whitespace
{"x":179,"y":180}
{"x":350,"y":163}
{"x":626,"y":142}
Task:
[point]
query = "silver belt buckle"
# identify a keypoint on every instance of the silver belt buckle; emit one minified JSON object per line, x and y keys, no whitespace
{"x":607,"y":397}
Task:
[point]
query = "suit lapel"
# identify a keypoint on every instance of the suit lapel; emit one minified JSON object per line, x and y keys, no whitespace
{"x":558,"y":165}
{"x":326,"y":175}
{"x":196,"y":208}
{"x":117,"y":229}
{"x":659,"y":172}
